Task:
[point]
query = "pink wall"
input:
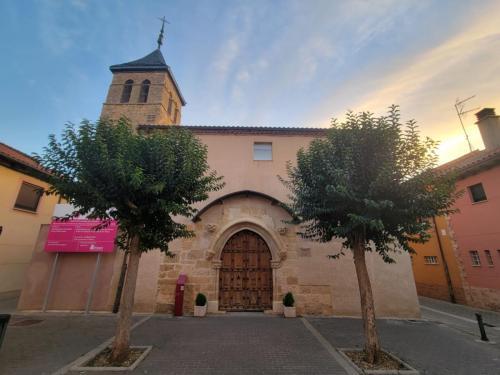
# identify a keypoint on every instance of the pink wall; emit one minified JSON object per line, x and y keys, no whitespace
{"x":477,"y":227}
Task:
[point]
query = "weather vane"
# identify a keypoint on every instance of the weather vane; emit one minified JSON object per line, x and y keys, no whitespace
{"x":160,"y":37}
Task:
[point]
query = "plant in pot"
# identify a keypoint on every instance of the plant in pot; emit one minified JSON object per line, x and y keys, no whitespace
{"x":288,"y":306}
{"x":200,"y":305}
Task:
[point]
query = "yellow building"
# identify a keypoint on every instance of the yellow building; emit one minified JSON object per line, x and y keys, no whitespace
{"x":437,"y":271}
{"x":22,"y":210}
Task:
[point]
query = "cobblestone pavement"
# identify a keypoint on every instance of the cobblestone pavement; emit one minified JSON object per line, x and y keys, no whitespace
{"x":431,"y":348}
{"x":461,"y":318}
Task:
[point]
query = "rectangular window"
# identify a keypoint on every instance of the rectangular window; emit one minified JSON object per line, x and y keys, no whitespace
{"x":28,"y":197}
{"x":489,"y":258}
{"x":431,"y":259}
{"x":262,"y":151}
{"x":474,"y":257}
{"x":477,"y":193}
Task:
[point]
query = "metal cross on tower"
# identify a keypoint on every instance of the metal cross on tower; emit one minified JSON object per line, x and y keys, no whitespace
{"x":160,"y":37}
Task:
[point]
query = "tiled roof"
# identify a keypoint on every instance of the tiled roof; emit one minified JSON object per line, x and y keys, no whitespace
{"x":149,"y":63}
{"x":472,"y":162}
{"x":212,"y":129}
{"x":11,"y":157}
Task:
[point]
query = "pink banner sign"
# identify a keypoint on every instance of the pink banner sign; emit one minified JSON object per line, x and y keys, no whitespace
{"x":79,"y":236}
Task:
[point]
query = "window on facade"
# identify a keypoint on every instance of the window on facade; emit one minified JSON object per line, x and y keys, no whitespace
{"x":474,"y":257}
{"x":431,"y":259}
{"x":170,"y":102}
{"x":127,"y":90}
{"x":143,"y":96}
{"x":28,"y":197}
{"x":176,"y":115}
{"x":489,"y":258}
{"x":477,"y":193}
{"x":262,"y":151}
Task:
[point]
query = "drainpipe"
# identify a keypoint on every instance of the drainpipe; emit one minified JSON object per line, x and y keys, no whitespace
{"x":445,"y":264}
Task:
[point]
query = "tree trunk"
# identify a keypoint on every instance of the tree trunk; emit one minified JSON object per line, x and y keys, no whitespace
{"x":372,"y":344}
{"x":121,"y":281}
{"x":122,"y":337}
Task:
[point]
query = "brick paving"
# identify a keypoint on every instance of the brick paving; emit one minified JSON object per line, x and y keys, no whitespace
{"x":231,"y":345}
{"x":57,"y":340}
{"x":433,"y":349}
{"x":461,"y":318}
{"x":242,"y":344}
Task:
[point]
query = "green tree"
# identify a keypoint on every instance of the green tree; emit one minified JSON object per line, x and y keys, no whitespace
{"x":143,"y":182}
{"x":370,"y":182}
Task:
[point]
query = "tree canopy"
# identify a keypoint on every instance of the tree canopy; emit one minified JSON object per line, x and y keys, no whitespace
{"x":109,"y":172}
{"x":370,"y":175}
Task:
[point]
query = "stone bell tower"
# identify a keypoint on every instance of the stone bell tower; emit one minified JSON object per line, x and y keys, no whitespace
{"x":144,"y":91}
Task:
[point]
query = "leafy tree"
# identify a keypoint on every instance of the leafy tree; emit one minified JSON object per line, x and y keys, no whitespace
{"x":370,"y":182}
{"x":143,"y":182}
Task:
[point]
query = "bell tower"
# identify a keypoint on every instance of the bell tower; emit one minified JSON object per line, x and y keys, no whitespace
{"x":144,"y":91}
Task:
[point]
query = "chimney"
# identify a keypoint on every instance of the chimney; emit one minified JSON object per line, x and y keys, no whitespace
{"x":489,"y":126}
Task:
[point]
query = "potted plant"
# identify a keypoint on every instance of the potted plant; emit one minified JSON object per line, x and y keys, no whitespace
{"x":200,"y":305}
{"x":288,"y":306}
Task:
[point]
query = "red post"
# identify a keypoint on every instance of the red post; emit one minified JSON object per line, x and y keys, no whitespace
{"x":179,"y":294}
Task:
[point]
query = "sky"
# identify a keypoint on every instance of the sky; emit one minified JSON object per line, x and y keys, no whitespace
{"x":254,"y":62}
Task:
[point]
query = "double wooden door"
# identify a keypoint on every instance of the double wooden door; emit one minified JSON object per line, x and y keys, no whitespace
{"x":245,"y":277}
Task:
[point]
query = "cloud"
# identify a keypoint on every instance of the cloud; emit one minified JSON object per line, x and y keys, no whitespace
{"x":226,"y":56}
{"x":427,"y":85}
{"x":310,"y":55}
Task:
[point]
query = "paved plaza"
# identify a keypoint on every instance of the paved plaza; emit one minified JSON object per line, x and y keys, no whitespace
{"x":245,"y":343}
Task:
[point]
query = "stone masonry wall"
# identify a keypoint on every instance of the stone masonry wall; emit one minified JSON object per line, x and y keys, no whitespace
{"x":154,"y":111}
{"x":321,"y":286}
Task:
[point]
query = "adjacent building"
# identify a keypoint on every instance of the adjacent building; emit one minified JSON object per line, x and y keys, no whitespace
{"x":23,"y":208}
{"x":246,"y":254}
{"x":462,"y":260}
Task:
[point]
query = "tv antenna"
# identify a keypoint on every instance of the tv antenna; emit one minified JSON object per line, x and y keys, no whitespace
{"x":459,"y":107}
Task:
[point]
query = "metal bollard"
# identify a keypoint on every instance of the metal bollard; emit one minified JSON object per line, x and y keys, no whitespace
{"x":481,"y":327}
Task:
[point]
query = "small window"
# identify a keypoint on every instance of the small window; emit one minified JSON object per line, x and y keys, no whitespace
{"x":150,"y":119}
{"x":431,"y":259}
{"x":127,"y":90}
{"x":170,"y":101}
{"x":489,"y":258}
{"x":143,"y":96}
{"x":28,"y":197}
{"x":474,"y":257}
{"x":176,"y":115}
{"x":262,"y":151}
{"x":477,"y":193}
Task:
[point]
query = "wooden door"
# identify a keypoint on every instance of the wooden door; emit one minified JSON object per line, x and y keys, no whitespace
{"x":245,"y":278}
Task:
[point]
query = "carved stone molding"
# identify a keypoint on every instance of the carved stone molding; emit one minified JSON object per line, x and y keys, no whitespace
{"x":275,"y":264}
{"x":282,"y":230}
{"x":211,"y":228}
{"x":210,"y":254}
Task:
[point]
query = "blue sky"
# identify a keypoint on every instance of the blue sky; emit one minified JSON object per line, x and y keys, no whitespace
{"x":254,"y":62}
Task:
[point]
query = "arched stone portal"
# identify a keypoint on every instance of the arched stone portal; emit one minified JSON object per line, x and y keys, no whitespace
{"x":245,"y":274}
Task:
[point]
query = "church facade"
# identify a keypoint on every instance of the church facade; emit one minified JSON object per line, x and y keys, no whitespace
{"x":246,"y":254}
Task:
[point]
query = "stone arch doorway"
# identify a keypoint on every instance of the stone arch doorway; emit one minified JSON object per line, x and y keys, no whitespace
{"x":245,"y":275}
